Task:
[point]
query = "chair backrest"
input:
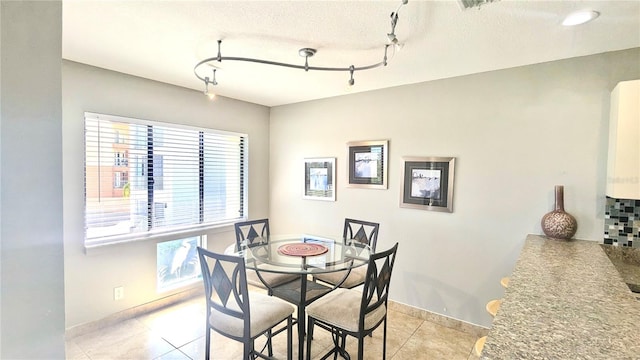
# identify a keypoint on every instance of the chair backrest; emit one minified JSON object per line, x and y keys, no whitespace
{"x":225,"y":281}
{"x":248,"y":231}
{"x":363,"y":231}
{"x":376,"y":285}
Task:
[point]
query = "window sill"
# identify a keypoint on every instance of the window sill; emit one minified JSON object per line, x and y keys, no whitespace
{"x":161,"y":237}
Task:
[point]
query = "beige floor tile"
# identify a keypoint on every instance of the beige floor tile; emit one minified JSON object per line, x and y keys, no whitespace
{"x":173,"y":355}
{"x":178,"y":324}
{"x":222,"y":348}
{"x":399,"y":322}
{"x":128,"y":340}
{"x":194,"y":349}
{"x":74,"y":352}
{"x":177,"y":332}
{"x":373,"y":346}
{"x":433,"y":341}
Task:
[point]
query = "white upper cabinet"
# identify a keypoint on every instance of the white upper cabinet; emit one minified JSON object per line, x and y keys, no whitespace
{"x":623,"y":165}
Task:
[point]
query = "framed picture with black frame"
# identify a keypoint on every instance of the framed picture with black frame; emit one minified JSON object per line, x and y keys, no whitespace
{"x":427,"y":183}
{"x":319,"y":179}
{"x":368,"y":163}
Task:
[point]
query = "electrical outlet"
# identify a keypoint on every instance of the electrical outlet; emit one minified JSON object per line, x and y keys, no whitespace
{"x":118,"y":293}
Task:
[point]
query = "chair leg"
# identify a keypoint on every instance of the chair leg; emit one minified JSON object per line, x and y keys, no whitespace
{"x":309,"y":336}
{"x":341,"y":345}
{"x":290,"y":338}
{"x":361,"y":347}
{"x":248,"y":349}
{"x":384,"y":340}
{"x":207,"y":343}
{"x":269,"y":344}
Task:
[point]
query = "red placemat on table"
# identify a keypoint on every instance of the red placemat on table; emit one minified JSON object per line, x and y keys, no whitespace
{"x":302,"y":249}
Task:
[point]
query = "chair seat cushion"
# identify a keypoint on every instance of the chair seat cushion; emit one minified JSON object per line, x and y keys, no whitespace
{"x":272,"y":279}
{"x":355,"y":278}
{"x":266,"y":311}
{"x":341,"y":308}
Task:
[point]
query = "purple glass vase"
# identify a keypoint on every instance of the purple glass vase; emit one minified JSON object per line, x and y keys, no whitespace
{"x":559,"y":224}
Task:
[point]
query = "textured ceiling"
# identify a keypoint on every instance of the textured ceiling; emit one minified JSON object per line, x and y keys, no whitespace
{"x":163,"y":40}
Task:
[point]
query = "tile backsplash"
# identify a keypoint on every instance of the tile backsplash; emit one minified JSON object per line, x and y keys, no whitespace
{"x":622,"y":222}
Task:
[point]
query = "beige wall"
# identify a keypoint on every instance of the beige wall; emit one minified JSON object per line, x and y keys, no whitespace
{"x":31,"y":260}
{"x":90,"y":276}
{"x":515,"y":134}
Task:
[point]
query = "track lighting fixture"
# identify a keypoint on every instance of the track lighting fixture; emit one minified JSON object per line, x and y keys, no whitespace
{"x":304,"y":52}
{"x":211,"y":95}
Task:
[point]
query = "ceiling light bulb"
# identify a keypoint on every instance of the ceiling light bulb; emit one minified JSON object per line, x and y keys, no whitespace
{"x":206,"y":91}
{"x":580,"y":17}
{"x":206,"y":86}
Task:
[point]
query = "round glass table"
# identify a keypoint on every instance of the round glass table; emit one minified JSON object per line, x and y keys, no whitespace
{"x":305,"y":256}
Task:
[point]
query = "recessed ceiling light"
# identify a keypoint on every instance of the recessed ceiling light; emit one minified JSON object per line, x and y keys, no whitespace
{"x":580,"y":17}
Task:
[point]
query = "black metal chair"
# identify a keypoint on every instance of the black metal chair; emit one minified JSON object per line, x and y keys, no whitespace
{"x":351,"y":312}
{"x":365,"y":232}
{"x":247,"y":232}
{"x":236,"y":314}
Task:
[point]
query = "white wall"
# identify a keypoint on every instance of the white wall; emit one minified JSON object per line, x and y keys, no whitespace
{"x":515,"y":134}
{"x":91,"y":276}
{"x":31,"y":286}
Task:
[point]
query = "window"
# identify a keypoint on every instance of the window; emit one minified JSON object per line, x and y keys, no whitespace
{"x":177,"y":262}
{"x":165,"y":178}
{"x":119,"y":179}
{"x":120,"y":159}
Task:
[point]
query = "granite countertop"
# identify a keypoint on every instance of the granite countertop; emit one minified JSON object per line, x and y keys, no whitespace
{"x":565,"y":300}
{"x":627,"y":261}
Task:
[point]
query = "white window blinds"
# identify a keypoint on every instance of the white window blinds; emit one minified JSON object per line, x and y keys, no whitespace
{"x":144,"y":178}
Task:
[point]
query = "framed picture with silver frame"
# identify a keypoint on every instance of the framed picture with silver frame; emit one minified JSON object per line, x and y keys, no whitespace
{"x":427,"y":183}
{"x":319,"y":179}
{"x":368,"y":163}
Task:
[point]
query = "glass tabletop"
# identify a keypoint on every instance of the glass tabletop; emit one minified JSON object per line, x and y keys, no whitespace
{"x":267,"y":254}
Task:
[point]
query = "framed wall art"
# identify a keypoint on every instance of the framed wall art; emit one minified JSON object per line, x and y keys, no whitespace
{"x":427,"y":183}
{"x":368,"y":162}
{"x":319,"y":179}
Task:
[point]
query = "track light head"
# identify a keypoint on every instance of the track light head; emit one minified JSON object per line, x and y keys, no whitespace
{"x":351,"y":70}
